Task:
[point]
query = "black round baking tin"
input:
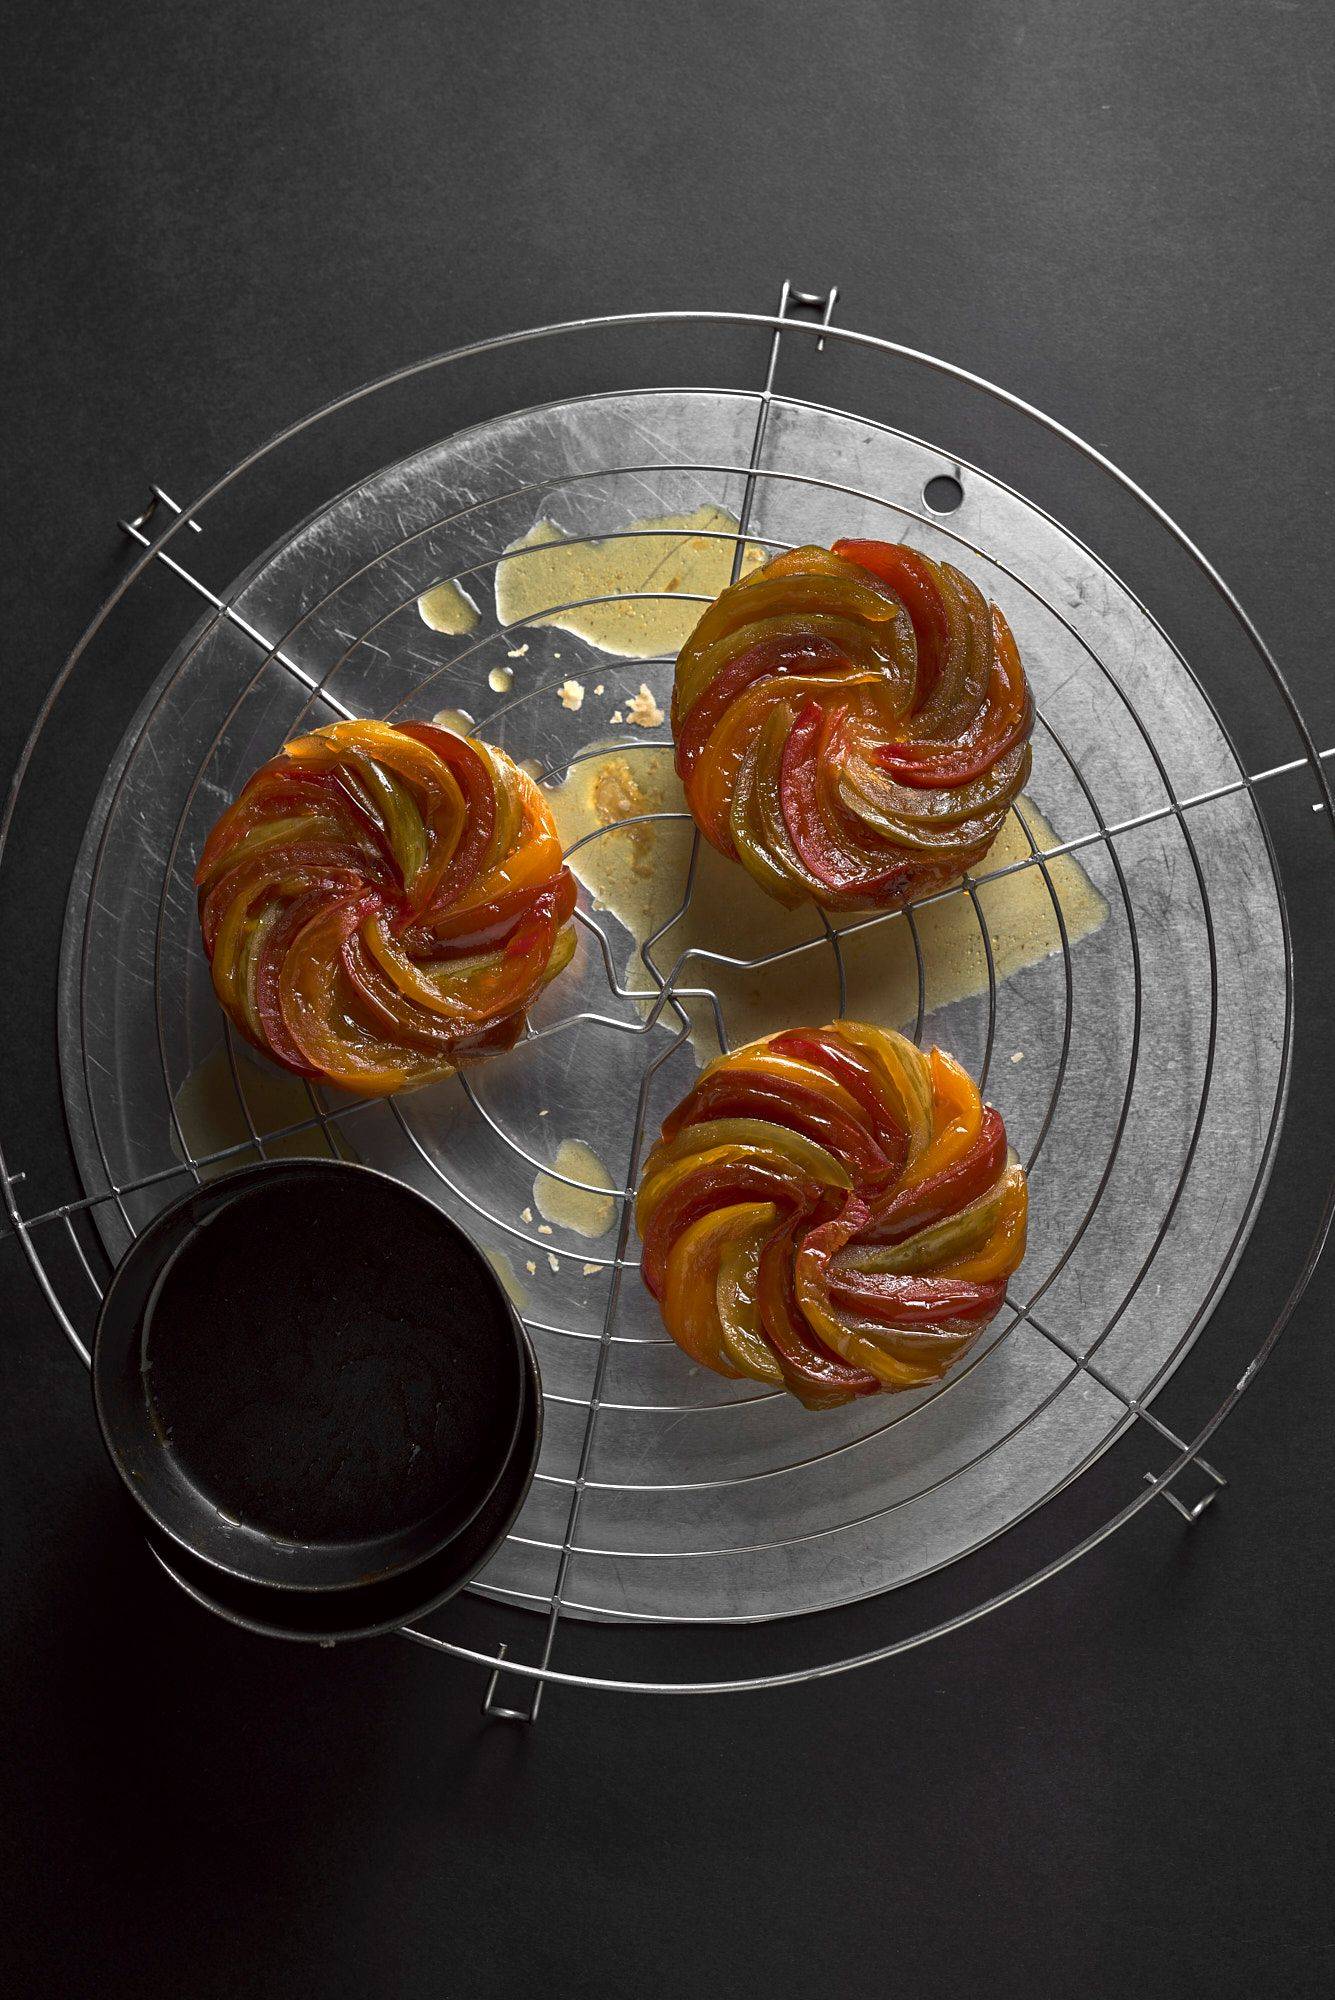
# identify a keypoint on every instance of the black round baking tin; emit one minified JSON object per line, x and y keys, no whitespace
{"x":312,"y":1383}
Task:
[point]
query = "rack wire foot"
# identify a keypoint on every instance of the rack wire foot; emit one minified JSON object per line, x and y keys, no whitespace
{"x":1191,"y":1514}
{"x":137,"y":529}
{"x":821,"y":303}
{"x":498,"y":1711}
{"x":137,"y":525}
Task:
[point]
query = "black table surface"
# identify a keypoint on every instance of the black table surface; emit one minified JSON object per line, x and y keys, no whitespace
{"x":218,"y":217}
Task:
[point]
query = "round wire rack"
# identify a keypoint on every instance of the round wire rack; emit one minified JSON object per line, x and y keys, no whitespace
{"x":1134,"y":973}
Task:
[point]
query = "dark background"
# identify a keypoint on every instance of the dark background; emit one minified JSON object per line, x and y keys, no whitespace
{"x":218,"y":217}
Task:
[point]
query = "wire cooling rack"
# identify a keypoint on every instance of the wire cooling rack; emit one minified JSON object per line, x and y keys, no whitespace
{"x":1126,"y":976}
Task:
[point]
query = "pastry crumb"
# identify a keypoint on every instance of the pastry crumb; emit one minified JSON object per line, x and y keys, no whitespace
{"x":643,"y":710}
{"x":530,"y":1267}
{"x":616,"y":715}
{"x":1018,"y":1056}
{"x":571,"y":694}
{"x":554,"y":1261}
{"x":542,"y":1114}
{"x":526,"y":1215}
{"x":517,"y":652}
{"x":544,"y":1229}
{"x":592,"y":1270}
{"x":599,"y":688}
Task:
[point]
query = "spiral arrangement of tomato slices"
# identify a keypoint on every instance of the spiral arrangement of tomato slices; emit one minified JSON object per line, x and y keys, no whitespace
{"x":833,"y":1212}
{"x":852,"y":724}
{"x":382,"y":903}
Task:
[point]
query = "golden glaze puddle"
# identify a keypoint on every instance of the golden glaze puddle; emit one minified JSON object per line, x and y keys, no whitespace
{"x":457,"y":720}
{"x":662,"y":552}
{"x":448,"y":608}
{"x":576,"y":1208}
{"x":637,"y":872}
{"x":212,"y":1118}
{"x":505,"y":1271}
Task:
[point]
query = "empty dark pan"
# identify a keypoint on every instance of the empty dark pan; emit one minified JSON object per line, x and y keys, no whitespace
{"x":308,"y":1377}
{"x":324,"y":1616}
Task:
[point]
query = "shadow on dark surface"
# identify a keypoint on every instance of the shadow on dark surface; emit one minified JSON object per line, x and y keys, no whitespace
{"x":1121,"y":1782}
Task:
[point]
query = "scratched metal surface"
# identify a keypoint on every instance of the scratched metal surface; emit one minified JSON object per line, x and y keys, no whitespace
{"x":1145,"y":1097}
